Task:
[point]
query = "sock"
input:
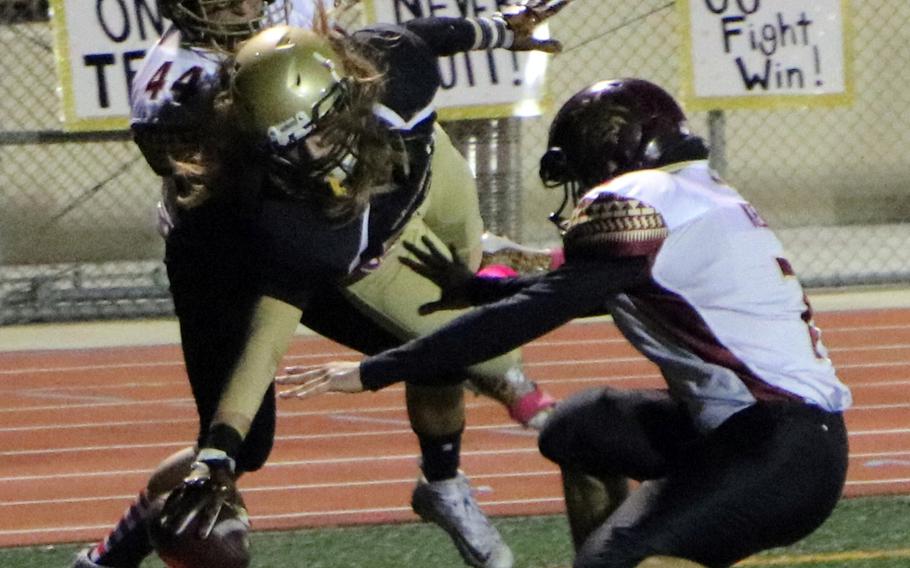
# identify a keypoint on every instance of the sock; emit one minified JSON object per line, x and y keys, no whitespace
{"x":128,"y":544}
{"x":441,"y":455}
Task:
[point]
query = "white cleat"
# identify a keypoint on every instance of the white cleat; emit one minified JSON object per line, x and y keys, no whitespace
{"x":83,"y":561}
{"x":450,"y":504}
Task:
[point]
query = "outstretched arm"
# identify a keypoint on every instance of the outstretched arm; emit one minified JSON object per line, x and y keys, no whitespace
{"x":512,"y":28}
{"x":210,"y":485}
{"x":459,"y":287}
{"x":574,"y":290}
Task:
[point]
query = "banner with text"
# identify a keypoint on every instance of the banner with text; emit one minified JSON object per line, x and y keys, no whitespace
{"x":765,"y":53}
{"x":99,"y":48}
{"x":476,"y":84}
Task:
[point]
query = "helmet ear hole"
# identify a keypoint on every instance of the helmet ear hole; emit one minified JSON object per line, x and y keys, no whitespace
{"x":554,"y":167}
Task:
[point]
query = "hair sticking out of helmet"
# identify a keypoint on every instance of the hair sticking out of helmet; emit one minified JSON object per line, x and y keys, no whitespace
{"x":611,"y":128}
{"x":307,"y":99}
{"x":222,"y":23}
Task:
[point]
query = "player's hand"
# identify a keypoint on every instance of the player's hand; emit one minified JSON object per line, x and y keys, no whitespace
{"x":337,"y":376}
{"x":446,"y":271}
{"x":197,"y":503}
{"x":524,"y":17}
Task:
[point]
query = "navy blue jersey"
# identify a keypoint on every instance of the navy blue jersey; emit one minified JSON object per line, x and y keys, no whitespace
{"x":301,"y":249}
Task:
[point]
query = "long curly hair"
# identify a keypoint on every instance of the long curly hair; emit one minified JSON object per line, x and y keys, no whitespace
{"x":230,"y":165}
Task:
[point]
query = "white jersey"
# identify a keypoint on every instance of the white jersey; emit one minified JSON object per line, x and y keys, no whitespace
{"x":173,"y":90}
{"x":174,"y":87}
{"x":171,"y":95}
{"x":727,"y":321}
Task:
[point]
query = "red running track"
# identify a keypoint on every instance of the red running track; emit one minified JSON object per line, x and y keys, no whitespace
{"x":82,"y":429}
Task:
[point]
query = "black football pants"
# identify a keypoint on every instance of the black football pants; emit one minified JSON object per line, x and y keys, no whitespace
{"x":767,"y":477}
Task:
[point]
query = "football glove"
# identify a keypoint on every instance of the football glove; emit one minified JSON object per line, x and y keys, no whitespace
{"x":201,"y":499}
{"x":522,"y":18}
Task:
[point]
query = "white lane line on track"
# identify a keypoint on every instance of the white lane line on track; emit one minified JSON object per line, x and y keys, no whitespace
{"x":575,"y":380}
{"x":336,"y":353}
{"x":328,"y":414}
{"x":495,"y":428}
{"x":347,"y":512}
{"x":360,"y":412}
{"x":333,"y":513}
{"x":887,"y":463}
{"x":253,"y":489}
{"x":899,"y":480}
{"x":580,"y":380}
{"x":61,"y":407}
{"x":886,"y":432}
{"x":277,"y":464}
{"x":854,"y":328}
{"x":324,"y":356}
{"x":894,"y":454}
{"x":505,"y":428}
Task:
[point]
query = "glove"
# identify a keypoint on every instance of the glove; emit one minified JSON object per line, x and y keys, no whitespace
{"x":524,"y":17}
{"x":204,"y":497}
{"x":448,"y":272}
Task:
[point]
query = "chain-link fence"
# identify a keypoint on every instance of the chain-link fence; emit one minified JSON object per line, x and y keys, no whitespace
{"x":77,"y":238}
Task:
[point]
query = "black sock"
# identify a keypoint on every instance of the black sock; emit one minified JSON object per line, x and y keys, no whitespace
{"x":441,"y":455}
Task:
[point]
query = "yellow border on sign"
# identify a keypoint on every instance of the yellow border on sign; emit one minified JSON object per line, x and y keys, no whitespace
{"x":508,"y":110}
{"x":695,"y":103}
{"x":71,"y":121}
{"x":471,"y":112}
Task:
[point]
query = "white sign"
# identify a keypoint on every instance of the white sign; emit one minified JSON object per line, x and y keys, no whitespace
{"x":475,"y":84}
{"x":100,"y":44}
{"x":765,"y":53}
{"x":99,"y":48}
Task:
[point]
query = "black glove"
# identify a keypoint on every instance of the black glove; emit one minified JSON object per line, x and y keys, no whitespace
{"x":446,"y":271}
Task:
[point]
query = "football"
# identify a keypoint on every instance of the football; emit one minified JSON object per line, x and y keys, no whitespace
{"x":227,"y":545}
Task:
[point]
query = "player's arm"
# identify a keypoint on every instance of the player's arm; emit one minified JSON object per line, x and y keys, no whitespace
{"x":459,"y":287}
{"x":575,"y":289}
{"x":271,"y":331}
{"x":210,"y":485}
{"x":512,"y":28}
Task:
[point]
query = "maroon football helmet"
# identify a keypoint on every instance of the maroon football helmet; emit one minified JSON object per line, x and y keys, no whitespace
{"x":607,"y":129}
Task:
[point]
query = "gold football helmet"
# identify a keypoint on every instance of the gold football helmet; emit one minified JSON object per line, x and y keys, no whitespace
{"x":287,"y":86}
{"x":285,"y":79}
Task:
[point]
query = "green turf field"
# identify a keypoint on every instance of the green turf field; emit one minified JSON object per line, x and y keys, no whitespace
{"x":862,"y":533}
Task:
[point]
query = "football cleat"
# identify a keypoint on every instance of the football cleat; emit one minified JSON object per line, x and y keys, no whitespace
{"x":82,"y":560}
{"x":450,"y":504}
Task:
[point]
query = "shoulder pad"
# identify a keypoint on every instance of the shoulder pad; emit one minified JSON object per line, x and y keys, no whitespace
{"x":605,"y":225}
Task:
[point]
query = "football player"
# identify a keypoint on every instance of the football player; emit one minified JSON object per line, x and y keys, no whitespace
{"x":746,"y":448}
{"x":210,"y":257}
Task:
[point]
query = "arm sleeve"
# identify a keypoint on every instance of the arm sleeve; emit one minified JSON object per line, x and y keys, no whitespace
{"x":573,"y":290}
{"x":483,"y":290}
{"x":271,"y":331}
{"x":447,"y":36}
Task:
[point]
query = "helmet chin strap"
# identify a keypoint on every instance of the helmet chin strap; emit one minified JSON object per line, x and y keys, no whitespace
{"x":569,"y":193}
